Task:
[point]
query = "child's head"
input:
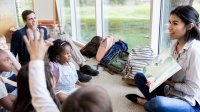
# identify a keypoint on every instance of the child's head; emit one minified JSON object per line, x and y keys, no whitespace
{"x":23,"y":101}
{"x":88,"y":99}
{"x":3,"y":44}
{"x":186,"y":20}
{"x":6,"y":64}
{"x":60,"y":51}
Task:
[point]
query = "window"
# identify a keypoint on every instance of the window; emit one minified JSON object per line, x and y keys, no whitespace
{"x":196,"y":5}
{"x":65,"y":17}
{"x":21,"y":6}
{"x":128,"y":20}
{"x":85,"y":22}
{"x":164,"y":41}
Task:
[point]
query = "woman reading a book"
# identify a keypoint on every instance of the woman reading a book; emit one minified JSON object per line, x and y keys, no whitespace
{"x":181,"y":93}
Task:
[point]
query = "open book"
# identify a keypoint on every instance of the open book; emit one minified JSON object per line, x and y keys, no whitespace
{"x":160,"y":69}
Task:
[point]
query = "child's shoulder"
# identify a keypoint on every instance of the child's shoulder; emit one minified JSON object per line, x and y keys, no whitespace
{"x":54,"y":64}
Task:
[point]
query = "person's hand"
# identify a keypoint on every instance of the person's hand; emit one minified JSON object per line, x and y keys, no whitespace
{"x":170,"y":83}
{"x":49,"y":40}
{"x":148,"y":83}
{"x":36,"y":48}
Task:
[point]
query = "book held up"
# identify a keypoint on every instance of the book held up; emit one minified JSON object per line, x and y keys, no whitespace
{"x":160,"y":69}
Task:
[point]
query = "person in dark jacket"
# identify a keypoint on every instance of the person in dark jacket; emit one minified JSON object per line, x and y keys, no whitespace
{"x":18,"y":46}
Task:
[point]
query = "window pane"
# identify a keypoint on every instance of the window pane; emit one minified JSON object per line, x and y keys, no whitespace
{"x":164,"y":41}
{"x":86,"y":24}
{"x":21,"y":6}
{"x":196,"y":5}
{"x":166,"y":8}
{"x":128,"y":20}
{"x":65,"y":19}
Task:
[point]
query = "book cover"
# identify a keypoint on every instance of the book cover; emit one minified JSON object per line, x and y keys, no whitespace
{"x":160,"y":69}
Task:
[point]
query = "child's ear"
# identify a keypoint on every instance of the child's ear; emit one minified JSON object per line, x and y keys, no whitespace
{"x":190,"y":26}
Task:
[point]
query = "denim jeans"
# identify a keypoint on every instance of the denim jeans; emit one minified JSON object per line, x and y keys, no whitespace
{"x":157,"y":102}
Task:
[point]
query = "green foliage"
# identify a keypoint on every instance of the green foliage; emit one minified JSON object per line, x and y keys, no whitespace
{"x":91,"y":2}
{"x":21,"y":6}
{"x":117,"y":2}
{"x":132,"y":25}
{"x":67,"y":3}
{"x":87,"y":2}
{"x":132,"y":31}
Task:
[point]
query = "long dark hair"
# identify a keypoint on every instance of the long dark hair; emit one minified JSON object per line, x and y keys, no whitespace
{"x":188,"y":15}
{"x":23,"y":100}
{"x":56,"y":49}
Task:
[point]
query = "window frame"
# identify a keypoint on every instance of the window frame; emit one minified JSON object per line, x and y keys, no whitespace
{"x":155,"y":19}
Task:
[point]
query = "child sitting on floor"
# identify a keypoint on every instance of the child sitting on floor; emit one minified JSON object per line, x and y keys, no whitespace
{"x":23,"y":102}
{"x":64,"y":70}
{"x":41,"y":99}
{"x":4,"y":46}
{"x":6,"y":66}
{"x":11,"y":73}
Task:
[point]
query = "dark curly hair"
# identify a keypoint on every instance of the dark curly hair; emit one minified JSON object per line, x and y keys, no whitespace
{"x":56,"y":49}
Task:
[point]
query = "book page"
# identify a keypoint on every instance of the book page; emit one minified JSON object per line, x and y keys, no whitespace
{"x":160,"y":69}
